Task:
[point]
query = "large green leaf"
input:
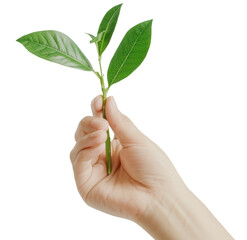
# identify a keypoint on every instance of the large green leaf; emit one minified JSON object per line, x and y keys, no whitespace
{"x":107,"y":26}
{"x":56,"y":47}
{"x":130,"y":53}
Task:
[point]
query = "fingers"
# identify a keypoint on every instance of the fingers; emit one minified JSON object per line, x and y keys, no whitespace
{"x":90,"y":124}
{"x":96,"y":106}
{"x":88,"y":167}
{"x":122,"y":126}
{"x":88,"y":154}
{"x":91,"y":140}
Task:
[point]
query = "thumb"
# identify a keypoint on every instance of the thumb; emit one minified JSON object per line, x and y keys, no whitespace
{"x":122,"y":126}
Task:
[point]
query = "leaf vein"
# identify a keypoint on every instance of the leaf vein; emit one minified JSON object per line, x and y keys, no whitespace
{"x":108,"y":24}
{"x":126,"y":57}
{"x":62,"y":53}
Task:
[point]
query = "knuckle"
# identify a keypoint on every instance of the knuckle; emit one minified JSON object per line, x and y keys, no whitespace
{"x":85,"y":120}
{"x":81,"y":127}
{"x":81,"y":155}
{"x":125,"y":119}
{"x":71,"y":154}
{"x":98,"y":136}
{"x":101,"y":136}
{"x":76,"y":136}
{"x":114,"y":124}
{"x":105,"y":124}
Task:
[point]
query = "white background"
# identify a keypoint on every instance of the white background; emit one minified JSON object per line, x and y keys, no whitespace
{"x":189,"y":96}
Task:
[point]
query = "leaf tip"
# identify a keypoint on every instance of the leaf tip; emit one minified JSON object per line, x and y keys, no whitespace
{"x":149,"y":22}
{"x":118,"y":6}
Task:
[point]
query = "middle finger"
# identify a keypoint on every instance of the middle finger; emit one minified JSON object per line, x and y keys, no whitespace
{"x":90,"y":124}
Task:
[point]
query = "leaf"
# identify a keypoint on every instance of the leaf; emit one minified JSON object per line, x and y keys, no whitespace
{"x":108,"y":25}
{"x":56,"y":47}
{"x":130,"y":53}
{"x":97,"y":38}
{"x":91,"y":35}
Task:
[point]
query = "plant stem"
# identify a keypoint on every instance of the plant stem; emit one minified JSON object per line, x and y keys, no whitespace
{"x":108,"y":140}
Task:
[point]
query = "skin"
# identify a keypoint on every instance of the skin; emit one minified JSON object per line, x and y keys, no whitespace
{"x":144,"y":186}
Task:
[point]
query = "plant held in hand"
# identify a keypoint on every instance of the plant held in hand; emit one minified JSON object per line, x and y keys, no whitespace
{"x":57,"y":47}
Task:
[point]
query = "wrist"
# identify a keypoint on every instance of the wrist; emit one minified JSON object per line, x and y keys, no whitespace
{"x":166,"y":217}
{"x":181,"y":215}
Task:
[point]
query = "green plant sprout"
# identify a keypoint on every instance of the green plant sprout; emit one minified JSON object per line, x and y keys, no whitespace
{"x":57,"y":47}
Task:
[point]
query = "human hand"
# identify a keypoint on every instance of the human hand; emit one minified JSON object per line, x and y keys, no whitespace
{"x":141,"y":171}
{"x":143,"y":186}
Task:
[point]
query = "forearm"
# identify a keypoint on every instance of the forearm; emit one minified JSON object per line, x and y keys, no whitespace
{"x":182,"y":216}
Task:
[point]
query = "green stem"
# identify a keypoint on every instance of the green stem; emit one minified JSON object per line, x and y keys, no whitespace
{"x":108,"y":140}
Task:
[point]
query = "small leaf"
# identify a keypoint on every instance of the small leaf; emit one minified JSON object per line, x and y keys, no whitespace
{"x":108,"y":25}
{"x":56,"y":47}
{"x":97,"y":38}
{"x":91,"y":35}
{"x":130,"y":53}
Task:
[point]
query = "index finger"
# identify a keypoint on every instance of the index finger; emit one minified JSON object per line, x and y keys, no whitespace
{"x":96,"y":106}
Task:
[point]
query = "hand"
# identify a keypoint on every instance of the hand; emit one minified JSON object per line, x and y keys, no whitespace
{"x":141,"y":171}
{"x":143,"y":186}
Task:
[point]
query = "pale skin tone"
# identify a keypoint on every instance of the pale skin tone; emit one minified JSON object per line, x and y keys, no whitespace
{"x":144,"y":186}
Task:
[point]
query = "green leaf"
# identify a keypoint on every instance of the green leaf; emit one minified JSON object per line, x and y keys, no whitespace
{"x":130,"y":53}
{"x":108,"y":25}
{"x":56,"y":47}
{"x":91,"y":35}
{"x":97,"y":38}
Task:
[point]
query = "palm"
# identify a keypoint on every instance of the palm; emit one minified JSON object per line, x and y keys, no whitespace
{"x":120,"y":193}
